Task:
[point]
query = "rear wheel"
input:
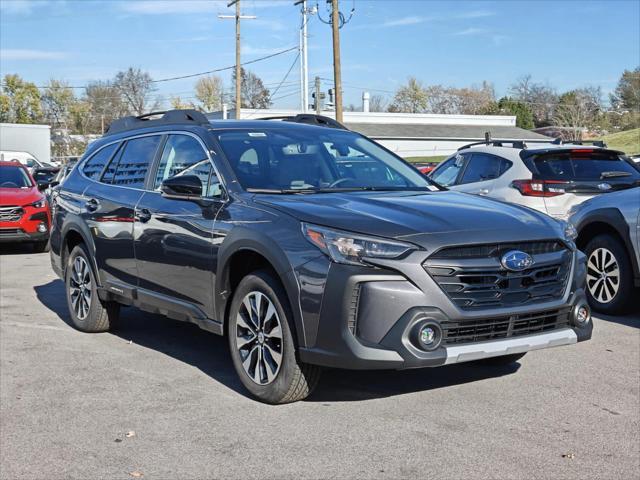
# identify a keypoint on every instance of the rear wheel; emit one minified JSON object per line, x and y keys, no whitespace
{"x":262,"y":344}
{"x":87,"y":311}
{"x":609,"y":276}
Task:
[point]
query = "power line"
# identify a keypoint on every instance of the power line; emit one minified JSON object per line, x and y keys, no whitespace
{"x":295,"y":60}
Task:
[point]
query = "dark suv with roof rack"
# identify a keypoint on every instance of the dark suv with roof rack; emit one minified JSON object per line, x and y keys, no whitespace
{"x":307,"y":246}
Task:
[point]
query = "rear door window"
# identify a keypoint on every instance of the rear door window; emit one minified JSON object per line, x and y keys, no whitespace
{"x":95,"y":165}
{"x":134,"y":162}
{"x":584,"y":165}
{"x":483,"y":167}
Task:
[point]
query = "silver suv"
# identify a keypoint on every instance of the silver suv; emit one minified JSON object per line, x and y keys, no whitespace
{"x":609,"y":234}
{"x":548,"y":177}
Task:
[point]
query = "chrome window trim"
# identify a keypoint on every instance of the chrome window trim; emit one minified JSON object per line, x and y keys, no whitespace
{"x":167,"y":132}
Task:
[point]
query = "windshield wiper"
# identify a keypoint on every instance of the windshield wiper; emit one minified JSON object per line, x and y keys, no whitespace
{"x":614,"y":174}
{"x":280,"y":191}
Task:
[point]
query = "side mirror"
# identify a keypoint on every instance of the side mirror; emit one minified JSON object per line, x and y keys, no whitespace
{"x":184,"y":187}
{"x":43,"y":185}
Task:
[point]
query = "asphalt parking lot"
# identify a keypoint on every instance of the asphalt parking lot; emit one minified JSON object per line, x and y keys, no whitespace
{"x":159,"y":399}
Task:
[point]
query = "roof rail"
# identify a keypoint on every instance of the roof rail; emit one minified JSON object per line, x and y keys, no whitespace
{"x":595,"y":143}
{"x":310,"y":119}
{"x":497,"y":143}
{"x":169,"y":117}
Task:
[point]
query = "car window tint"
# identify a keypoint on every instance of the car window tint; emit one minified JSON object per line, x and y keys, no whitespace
{"x":482,"y":167}
{"x":95,"y":165}
{"x":207,"y":175}
{"x":587,"y":165}
{"x":448,"y":172}
{"x":134,"y":161}
{"x":181,"y":152}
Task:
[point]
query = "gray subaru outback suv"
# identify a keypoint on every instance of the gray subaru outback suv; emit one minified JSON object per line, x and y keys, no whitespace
{"x":307,"y":246}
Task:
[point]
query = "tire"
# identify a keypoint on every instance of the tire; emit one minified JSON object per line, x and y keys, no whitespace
{"x":88,"y":313}
{"x":255,"y":339}
{"x":502,"y":360}
{"x":616,"y":298}
{"x":41,"y":247}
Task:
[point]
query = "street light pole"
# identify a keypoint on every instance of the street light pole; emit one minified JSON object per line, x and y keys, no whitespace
{"x":304,"y":67}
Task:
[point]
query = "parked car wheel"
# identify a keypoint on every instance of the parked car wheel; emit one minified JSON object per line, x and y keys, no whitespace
{"x":262,"y":345}
{"x":501,"y":360}
{"x":88,"y":313}
{"x":609,"y":276}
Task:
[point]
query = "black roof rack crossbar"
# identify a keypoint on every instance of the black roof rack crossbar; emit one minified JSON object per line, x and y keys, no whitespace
{"x":169,"y":117}
{"x":496,"y":143}
{"x":310,"y":119}
{"x":595,"y":143}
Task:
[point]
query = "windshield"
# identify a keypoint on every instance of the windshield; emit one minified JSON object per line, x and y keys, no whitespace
{"x":315,"y":160}
{"x":14,"y":177}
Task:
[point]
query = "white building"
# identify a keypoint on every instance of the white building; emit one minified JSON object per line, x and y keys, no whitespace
{"x":415,"y":135}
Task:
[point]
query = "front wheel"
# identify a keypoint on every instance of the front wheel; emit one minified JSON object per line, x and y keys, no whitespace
{"x":262,"y":345}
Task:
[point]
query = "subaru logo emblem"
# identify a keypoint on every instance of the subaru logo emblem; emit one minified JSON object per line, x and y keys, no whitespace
{"x":604,"y":186}
{"x":516,"y":261}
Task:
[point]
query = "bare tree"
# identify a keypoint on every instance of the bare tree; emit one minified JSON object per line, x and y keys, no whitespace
{"x":577,"y":110}
{"x":378,"y":103}
{"x":472,"y":101}
{"x":541,"y":98}
{"x":254,"y":93}
{"x":135,"y":87}
{"x":105,"y":105}
{"x":410,"y":98}
{"x":209,"y":92}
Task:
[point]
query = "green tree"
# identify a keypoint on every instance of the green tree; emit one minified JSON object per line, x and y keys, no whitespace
{"x":627,"y":93}
{"x":509,"y":106}
{"x":20,"y":100}
{"x":410,"y":98}
{"x":57,"y":101}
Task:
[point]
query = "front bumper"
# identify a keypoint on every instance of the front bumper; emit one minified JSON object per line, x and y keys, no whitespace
{"x":369,"y":317}
{"x":26,"y":228}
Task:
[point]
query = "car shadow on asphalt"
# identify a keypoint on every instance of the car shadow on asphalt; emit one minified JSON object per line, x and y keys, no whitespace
{"x":16,"y":249}
{"x":631,"y":320}
{"x":208,"y":352}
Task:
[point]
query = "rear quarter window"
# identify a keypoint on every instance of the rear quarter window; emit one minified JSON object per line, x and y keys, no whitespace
{"x":95,"y":165}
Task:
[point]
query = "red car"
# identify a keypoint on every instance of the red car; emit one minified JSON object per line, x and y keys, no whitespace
{"x":426,"y":167}
{"x":24,"y":212}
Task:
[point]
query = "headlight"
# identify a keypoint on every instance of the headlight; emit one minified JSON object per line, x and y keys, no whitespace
{"x":39,"y":204}
{"x":570,"y":232}
{"x":352,"y":249}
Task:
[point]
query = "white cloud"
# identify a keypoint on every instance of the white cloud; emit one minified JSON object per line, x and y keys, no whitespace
{"x":476,"y":14}
{"x":27,"y":7}
{"x":164,"y":7}
{"x":470,"y":31}
{"x":404,"y":21}
{"x":27,"y":54}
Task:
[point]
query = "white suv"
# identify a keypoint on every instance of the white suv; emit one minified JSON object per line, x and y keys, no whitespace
{"x":549,"y":177}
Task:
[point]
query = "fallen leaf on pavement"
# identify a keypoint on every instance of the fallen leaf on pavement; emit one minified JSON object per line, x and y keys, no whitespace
{"x":136,"y":474}
{"x":130,"y":434}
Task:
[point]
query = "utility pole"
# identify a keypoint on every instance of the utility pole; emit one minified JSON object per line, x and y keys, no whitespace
{"x":337,"y":71}
{"x":237,"y":18}
{"x":318,"y":93}
{"x":304,"y":66}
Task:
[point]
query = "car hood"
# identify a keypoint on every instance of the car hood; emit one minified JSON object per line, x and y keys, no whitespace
{"x":419,"y":217}
{"x":19,"y":196}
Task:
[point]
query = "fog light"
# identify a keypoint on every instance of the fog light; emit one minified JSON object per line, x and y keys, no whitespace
{"x":42,"y":227}
{"x":429,"y":336}
{"x":583,"y":315}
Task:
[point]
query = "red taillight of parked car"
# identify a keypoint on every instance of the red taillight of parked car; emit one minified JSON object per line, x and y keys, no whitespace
{"x":539,"y":188}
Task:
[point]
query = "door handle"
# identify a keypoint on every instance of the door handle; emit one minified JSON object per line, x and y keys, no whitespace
{"x":483,"y":191}
{"x":143,"y":215}
{"x":92,"y":205}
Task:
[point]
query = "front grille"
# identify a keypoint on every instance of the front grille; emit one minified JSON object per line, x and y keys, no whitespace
{"x":9,"y":231}
{"x":496,"y":250}
{"x":475,"y":282}
{"x":470,"y":331}
{"x":11,"y":213}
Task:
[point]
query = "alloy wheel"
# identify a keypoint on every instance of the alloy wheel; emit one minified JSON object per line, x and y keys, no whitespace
{"x":603,"y":275}
{"x":80,"y":288}
{"x":259,"y":338}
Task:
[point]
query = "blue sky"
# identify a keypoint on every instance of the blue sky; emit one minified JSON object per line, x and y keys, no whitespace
{"x":568,"y":44}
